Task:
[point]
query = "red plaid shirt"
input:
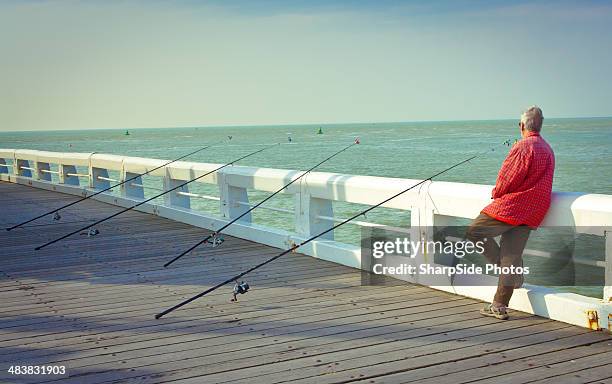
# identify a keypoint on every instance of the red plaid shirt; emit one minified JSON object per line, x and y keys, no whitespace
{"x":524,"y":184}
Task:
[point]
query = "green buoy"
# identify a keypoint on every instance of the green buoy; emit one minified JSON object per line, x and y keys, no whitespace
{"x":127,"y":133}
{"x":320,"y":131}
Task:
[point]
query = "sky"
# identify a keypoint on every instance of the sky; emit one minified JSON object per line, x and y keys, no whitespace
{"x":129,"y":64}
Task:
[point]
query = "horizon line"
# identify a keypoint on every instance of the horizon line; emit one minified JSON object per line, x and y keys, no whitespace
{"x":295,"y":124}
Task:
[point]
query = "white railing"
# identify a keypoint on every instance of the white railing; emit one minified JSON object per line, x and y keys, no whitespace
{"x":431,"y":204}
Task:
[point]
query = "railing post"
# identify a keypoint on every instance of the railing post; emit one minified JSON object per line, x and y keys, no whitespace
{"x":64,"y":178}
{"x":230,"y":199}
{"x":132,"y":188}
{"x":307,"y":212}
{"x":41,"y":166}
{"x":607,"y":293}
{"x":3,"y":169}
{"x":15,"y":166}
{"x":95,"y":182}
{"x":173,"y":198}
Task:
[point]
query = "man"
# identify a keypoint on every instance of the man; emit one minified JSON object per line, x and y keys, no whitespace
{"x":521,"y":198}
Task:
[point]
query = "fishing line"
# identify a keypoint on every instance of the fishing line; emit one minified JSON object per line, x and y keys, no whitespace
{"x":242,"y":287}
{"x":55,"y":212}
{"x":214,"y":236}
{"x":152,"y":198}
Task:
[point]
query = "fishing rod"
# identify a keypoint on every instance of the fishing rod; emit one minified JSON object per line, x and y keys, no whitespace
{"x":93,"y":231}
{"x":242,"y":287}
{"x":214,"y":235}
{"x":56,"y":215}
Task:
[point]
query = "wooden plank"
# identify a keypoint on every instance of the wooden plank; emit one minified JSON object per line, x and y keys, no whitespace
{"x":222,"y":360}
{"x":152,"y":306}
{"x":268,"y":327}
{"x":256,"y":307}
{"x":392,"y":357}
{"x":152,"y":331}
{"x":510,"y":366}
{"x":583,"y":370}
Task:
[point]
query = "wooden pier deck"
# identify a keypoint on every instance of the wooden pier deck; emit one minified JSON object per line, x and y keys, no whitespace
{"x":88,"y":303}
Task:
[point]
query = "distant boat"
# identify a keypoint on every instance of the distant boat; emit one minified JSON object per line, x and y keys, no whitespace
{"x":320,"y":131}
{"x":127,"y":133}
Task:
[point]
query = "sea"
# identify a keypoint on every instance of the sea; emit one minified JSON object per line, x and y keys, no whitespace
{"x":415,"y":150}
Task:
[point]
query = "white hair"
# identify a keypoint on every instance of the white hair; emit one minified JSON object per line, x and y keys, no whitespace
{"x":532,"y":118}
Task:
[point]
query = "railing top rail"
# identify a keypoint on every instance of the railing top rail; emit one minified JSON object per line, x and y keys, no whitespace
{"x":7,"y":153}
{"x":73,"y":158}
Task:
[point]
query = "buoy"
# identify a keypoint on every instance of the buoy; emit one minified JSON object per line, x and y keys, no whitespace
{"x":320,"y":131}
{"x":127,"y":133}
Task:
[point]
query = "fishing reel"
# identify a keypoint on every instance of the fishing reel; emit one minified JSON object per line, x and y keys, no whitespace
{"x":239,"y":289}
{"x":56,"y":216}
{"x":215,"y":240}
{"x":292,"y":245}
{"x":91,"y":232}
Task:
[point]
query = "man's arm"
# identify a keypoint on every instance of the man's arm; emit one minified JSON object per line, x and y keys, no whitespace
{"x":512,"y":173}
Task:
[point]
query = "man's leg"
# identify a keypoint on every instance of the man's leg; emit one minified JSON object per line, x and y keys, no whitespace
{"x":512,"y":244}
{"x":485,"y":228}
